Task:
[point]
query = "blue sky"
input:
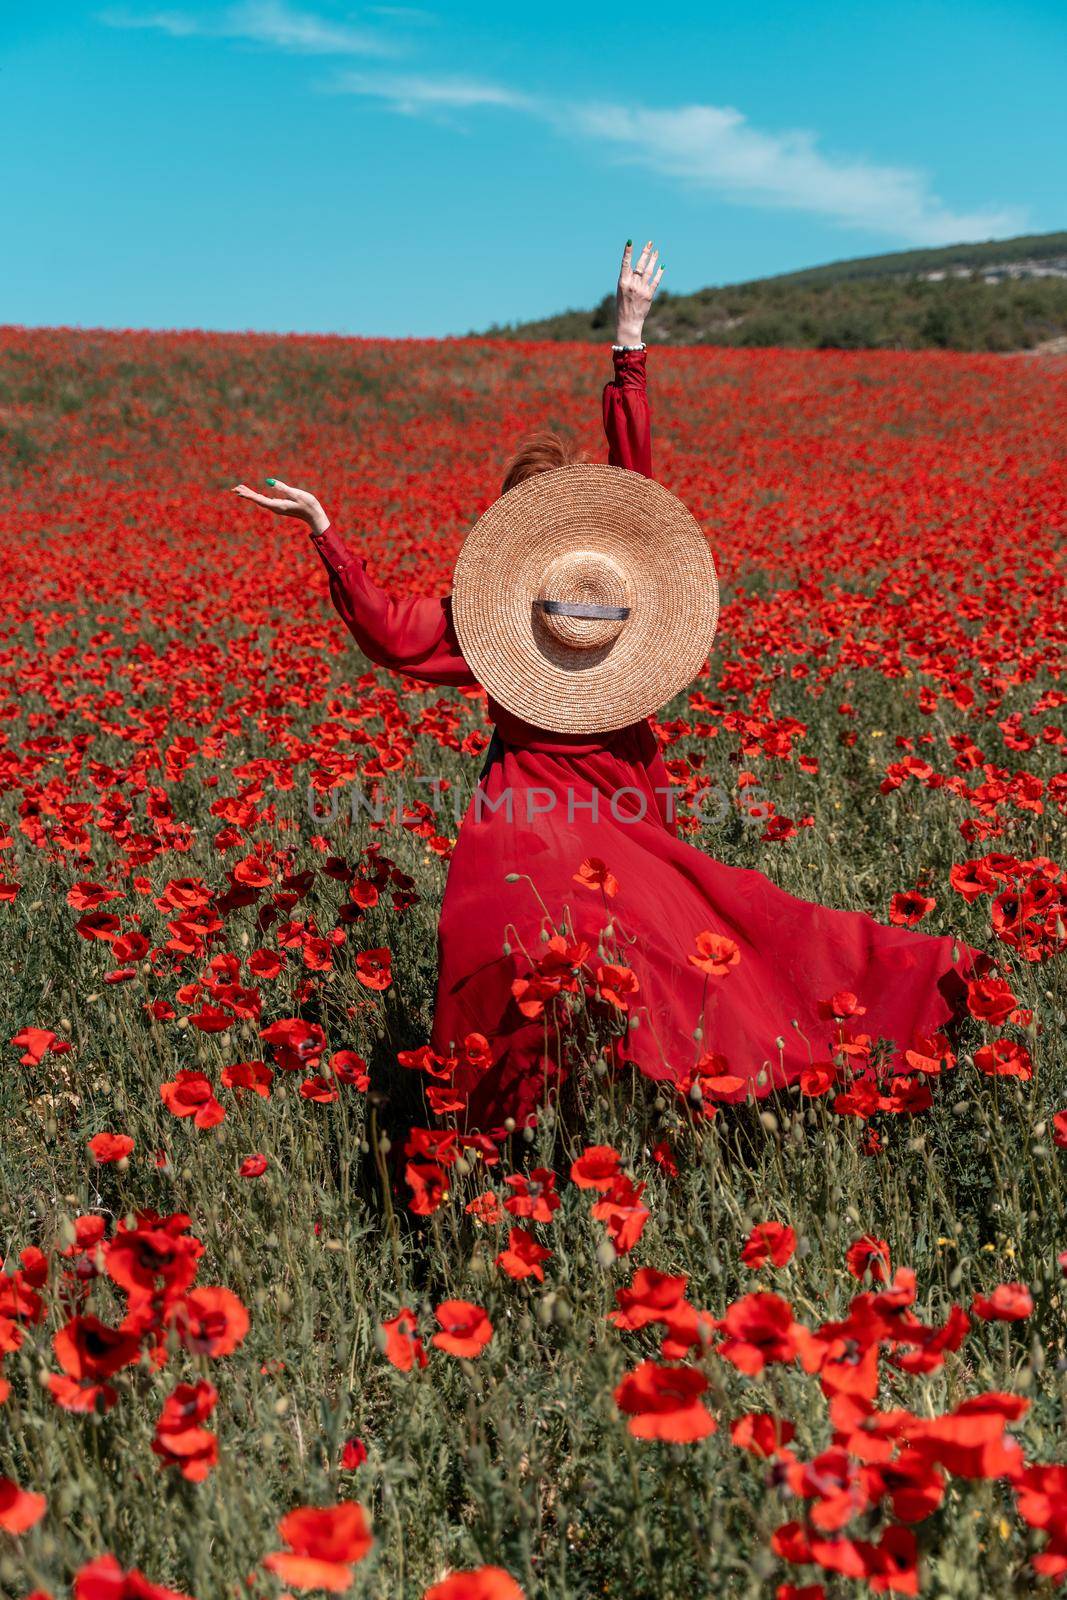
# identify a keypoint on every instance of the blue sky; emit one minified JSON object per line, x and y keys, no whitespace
{"x":404,"y":170}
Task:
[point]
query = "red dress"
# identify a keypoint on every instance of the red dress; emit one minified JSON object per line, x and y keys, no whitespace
{"x":763,"y":1021}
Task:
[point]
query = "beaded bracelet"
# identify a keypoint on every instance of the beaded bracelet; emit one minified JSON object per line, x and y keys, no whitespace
{"x":640,"y":346}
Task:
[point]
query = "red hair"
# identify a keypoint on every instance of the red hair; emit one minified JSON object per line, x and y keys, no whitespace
{"x":539,"y":453}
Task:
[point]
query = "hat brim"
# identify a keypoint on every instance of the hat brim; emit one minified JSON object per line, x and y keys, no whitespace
{"x":663,"y":643}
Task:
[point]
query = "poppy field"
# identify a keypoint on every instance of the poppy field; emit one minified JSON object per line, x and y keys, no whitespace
{"x":272,"y":1320}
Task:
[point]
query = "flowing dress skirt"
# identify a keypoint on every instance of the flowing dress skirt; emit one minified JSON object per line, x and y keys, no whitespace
{"x":764,"y":1014}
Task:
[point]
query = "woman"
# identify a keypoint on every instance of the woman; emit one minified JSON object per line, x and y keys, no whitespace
{"x":717,"y":978}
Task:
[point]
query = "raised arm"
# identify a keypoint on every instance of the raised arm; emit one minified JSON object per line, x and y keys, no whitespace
{"x":627,"y":418}
{"x":411,"y":634}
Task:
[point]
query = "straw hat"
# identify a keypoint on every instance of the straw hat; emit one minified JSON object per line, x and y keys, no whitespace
{"x":585,"y":598}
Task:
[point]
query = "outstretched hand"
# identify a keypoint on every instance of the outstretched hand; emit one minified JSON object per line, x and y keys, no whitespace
{"x":288,"y":502}
{"x":637,"y":285}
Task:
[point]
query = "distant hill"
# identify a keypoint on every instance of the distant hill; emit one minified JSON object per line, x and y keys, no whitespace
{"x":1004,"y":294}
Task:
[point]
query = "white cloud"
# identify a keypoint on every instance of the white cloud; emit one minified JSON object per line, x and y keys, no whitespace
{"x":269,"y":22}
{"x":707,"y":147}
{"x":413,"y":14}
{"x":411,"y":93}
{"x":716,"y":147}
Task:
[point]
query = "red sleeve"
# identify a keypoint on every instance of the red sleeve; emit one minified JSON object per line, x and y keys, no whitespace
{"x":627,"y":419}
{"x":412,"y":635}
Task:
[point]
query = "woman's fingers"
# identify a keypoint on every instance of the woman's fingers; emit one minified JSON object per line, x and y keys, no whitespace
{"x":642,"y":260}
{"x":627,"y":255}
{"x":265,"y":500}
{"x":300,"y":495}
{"x":649,"y":269}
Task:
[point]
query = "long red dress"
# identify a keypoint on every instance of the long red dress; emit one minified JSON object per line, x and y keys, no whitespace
{"x":764,"y":1020}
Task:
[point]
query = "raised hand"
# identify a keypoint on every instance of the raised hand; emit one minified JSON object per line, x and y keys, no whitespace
{"x":288,"y":502}
{"x":637,"y":285}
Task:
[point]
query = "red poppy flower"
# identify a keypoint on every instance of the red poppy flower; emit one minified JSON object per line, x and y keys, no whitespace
{"x":428,"y":1182}
{"x":466,"y":1329}
{"x":191,"y":1095}
{"x":622,"y":1213}
{"x":616,"y":984}
{"x":374,"y":968}
{"x":533,"y":1195}
{"x":930,"y":1055}
{"x":970,"y":1441}
{"x":652,"y":1296}
{"x":769,"y":1241}
{"x":907,"y":909}
{"x":818,"y":1078}
{"x":254,"y":1076}
{"x":253,"y":1166}
{"x":87,"y":1349}
{"x":179,"y":1440}
{"x":758,"y":1330}
{"x":486,"y":1209}
{"x":991,"y":1000}
{"x":324,"y":1545}
{"x":189,"y":1403}
{"x":483,"y":1583}
{"x":36,"y":1043}
{"x":868,"y":1254}
{"x":211,"y":1019}
{"x":155,"y":1253}
{"x":296,"y":1044}
{"x":761,"y":1433}
{"x":403,"y":1347}
{"x":663,"y":1156}
{"x":593,"y":874}
{"x":33,"y":1266}
{"x":714,"y":1079}
{"x":1004,"y":1059}
{"x":321,"y":1090}
{"x":353,"y":1455}
{"x":596,"y":1167}
{"x":210,"y":1321}
{"x":265,"y":963}
{"x":524,"y":1256}
{"x":715,"y":954}
{"x":1009,"y":1302}
{"x":19,"y":1510}
{"x":98,"y":925}
{"x":348,"y":1067}
{"x":108,"y":1147}
{"x":104,"y":1579}
{"x":841,"y":1006}
{"x":665,"y":1403}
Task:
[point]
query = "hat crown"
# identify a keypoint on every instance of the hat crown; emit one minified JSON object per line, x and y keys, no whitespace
{"x":583,"y":578}
{"x":584,"y":598}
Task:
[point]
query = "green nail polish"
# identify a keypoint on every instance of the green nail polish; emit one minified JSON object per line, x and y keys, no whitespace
{"x":271,"y":482}
{"x":629,"y":242}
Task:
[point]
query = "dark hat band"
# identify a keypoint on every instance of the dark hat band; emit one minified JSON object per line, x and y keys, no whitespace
{"x":570,"y":608}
